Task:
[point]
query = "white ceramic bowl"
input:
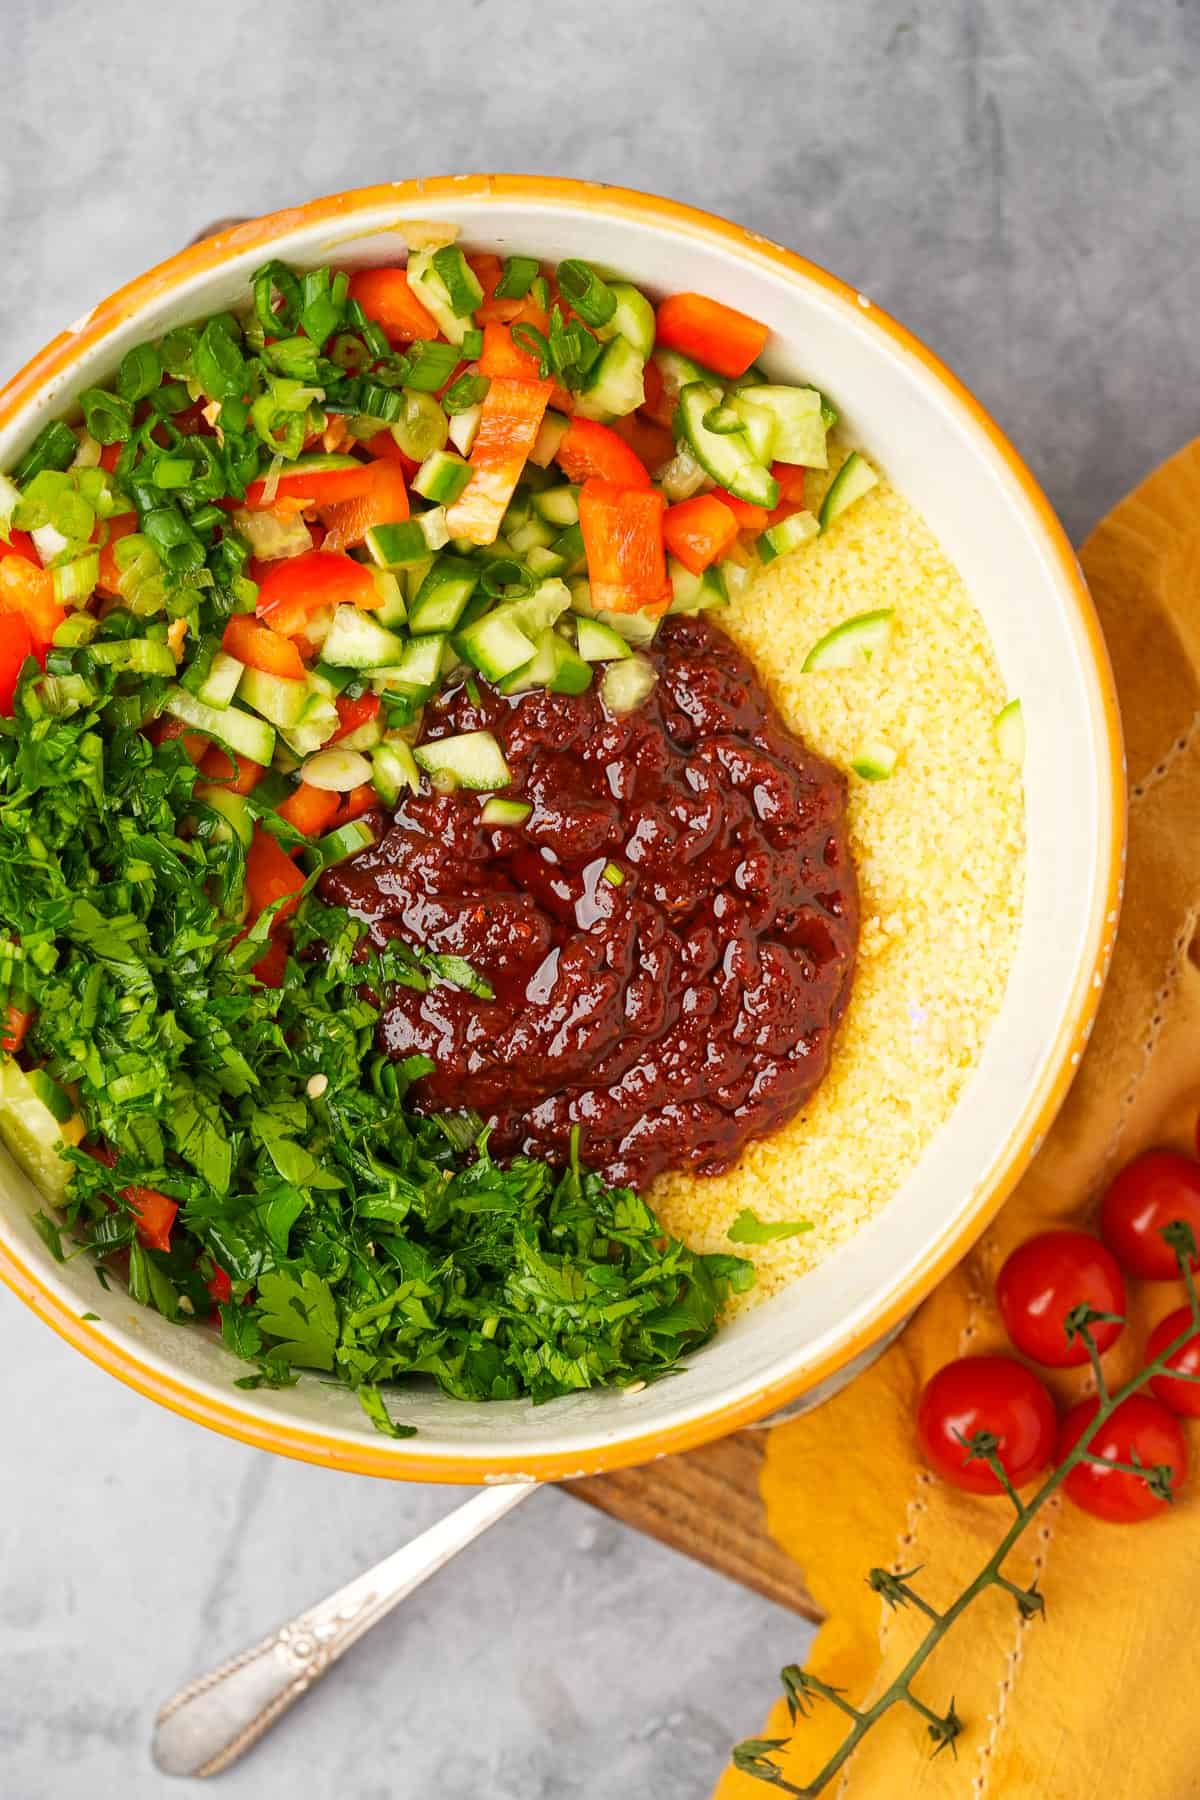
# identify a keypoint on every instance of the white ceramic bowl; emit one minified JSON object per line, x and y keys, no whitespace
{"x":942,"y":451}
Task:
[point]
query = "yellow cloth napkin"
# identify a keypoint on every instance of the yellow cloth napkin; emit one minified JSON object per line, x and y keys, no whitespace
{"x":1099,"y":1697}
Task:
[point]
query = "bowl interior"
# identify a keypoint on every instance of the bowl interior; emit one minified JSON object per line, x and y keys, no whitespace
{"x":942,"y":454}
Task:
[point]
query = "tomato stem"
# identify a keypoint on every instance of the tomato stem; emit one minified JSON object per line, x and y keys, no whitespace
{"x":756,"y":1756}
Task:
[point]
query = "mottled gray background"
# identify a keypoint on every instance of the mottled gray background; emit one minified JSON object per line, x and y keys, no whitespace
{"x":1016,"y":182}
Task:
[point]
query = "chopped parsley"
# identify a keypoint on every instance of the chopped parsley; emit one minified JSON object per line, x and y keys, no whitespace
{"x":748,"y":1228}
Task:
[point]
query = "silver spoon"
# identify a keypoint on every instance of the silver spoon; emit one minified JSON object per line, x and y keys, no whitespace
{"x":217,"y":1717}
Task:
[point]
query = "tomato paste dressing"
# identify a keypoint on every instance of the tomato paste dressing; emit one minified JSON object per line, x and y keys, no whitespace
{"x":673,"y":1014}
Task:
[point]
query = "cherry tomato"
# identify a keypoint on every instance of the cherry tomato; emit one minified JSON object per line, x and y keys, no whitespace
{"x":986,"y":1393}
{"x":1140,"y":1427}
{"x":1044,"y":1280}
{"x":1181,"y":1396}
{"x":1153,"y":1190}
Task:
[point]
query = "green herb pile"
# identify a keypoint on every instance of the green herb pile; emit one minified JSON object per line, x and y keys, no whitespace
{"x":361,"y":1240}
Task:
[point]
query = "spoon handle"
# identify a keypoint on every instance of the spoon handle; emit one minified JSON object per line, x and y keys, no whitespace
{"x":217,"y":1717}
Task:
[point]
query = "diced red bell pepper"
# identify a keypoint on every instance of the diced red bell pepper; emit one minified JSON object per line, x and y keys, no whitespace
{"x":386,"y":297}
{"x":487,"y":270}
{"x":271,"y":968}
{"x":656,"y":405}
{"x":154,"y":1212}
{"x":16,"y":646}
{"x":16,"y":1024}
{"x":698,"y":531}
{"x":501,"y":356}
{"x":299,"y":585}
{"x":220,"y":1287}
{"x":353,"y":713}
{"x":19,"y":543}
{"x":357,"y":802}
{"x":237,"y":773}
{"x":651,"y":444}
{"x":310,"y":809}
{"x":509,"y":423}
{"x":791,"y":477}
{"x":749,"y":518}
{"x":318,"y":487}
{"x":28,"y":589}
{"x":718,"y":336}
{"x":383,"y":502}
{"x":384,"y":445}
{"x":110,"y":455}
{"x":271,"y":875}
{"x":261,"y":648}
{"x":122,"y":525}
{"x":589,"y":449}
{"x":623,"y":539}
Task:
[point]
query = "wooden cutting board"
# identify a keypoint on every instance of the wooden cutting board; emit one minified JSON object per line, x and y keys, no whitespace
{"x":707,"y":1504}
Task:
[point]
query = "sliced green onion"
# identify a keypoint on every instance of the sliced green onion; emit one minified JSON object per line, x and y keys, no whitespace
{"x":459,"y":280}
{"x":173,"y":538}
{"x":178,"y":350}
{"x":276,"y":298}
{"x":535,"y":343}
{"x":173,"y":471}
{"x":428,"y":366}
{"x":74,"y":581}
{"x":293,"y":356}
{"x":463,"y":394}
{"x":723,"y":420}
{"x":171,"y":397}
{"x":539,"y":291}
{"x":220,"y":367}
{"x":506,"y":579}
{"x":140,"y":373}
{"x":516,"y":278}
{"x":320,"y":310}
{"x":420,"y":427}
{"x":471,"y":346}
{"x":54,"y":448}
{"x":350,"y":353}
{"x":108,"y":417}
{"x":590,"y":297}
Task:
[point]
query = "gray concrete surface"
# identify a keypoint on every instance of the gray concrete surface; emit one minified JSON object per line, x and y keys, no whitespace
{"x":1018,"y":184}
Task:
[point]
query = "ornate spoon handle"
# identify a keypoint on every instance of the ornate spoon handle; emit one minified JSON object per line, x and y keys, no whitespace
{"x":217,"y":1717}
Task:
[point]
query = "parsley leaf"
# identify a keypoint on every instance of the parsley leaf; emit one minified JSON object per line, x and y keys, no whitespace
{"x":302,"y":1313}
{"x":748,"y":1228}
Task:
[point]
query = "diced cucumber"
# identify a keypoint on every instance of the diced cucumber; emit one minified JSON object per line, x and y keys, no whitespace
{"x":599,"y":642}
{"x":874,"y":762}
{"x":472,"y":760}
{"x":442,"y":477}
{"x":330,"y":681}
{"x":391,"y":610}
{"x":442,"y":596}
{"x":633,"y":319}
{"x":317,"y":726}
{"x":393,"y":768}
{"x":550,"y":435}
{"x":364,"y":736}
{"x":464,"y":428}
{"x":799,"y":427}
{"x":735,"y":576}
{"x":556,"y":665}
{"x":854,"y":479}
{"x":355,"y":641}
{"x":861,"y":639}
{"x":434,"y":528}
{"x":534,"y":534}
{"x":637,"y":628}
{"x":798,"y":528}
{"x":237,"y":730}
{"x":542,"y":562}
{"x":616,"y":385}
{"x":569,"y":545}
{"x":678,"y":370}
{"x":431,"y":291}
{"x":558,"y":505}
{"x":54,"y":1098}
{"x":32,"y":1133}
{"x":694,"y":593}
{"x":346,"y":840}
{"x":728,"y":459}
{"x":277,"y":697}
{"x":505,"y":812}
{"x":505,"y":639}
{"x":419,"y":666}
{"x":412,"y":541}
{"x":232,"y":808}
{"x":759,"y":426}
{"x":414,"y":575}
{"x":220,"y":684}
{"x":336,"y":770}
{"x":625,"y":685}
{"x":1010,"y":733}
{"x":136,"y":656}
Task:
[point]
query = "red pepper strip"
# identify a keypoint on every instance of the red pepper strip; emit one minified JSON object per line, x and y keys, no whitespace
{"x":19,"y":543}
{"x":310,"y":809}
{"x":384,"y":445}
{"x":386,"y":297}
{"x":623,"y":539}
{"x":220,"y":1287}
{"x":651,"y":444}
{"x":508,"y":426}
{"x":261,"y":648}
{"x":500,"y":356}
{"x":384,"y":502}
{"x":357,"y":802}
{"x":749,"y":518}
{"x":237,"y":773}
{"x":16,"y":1024}
{"x":698,"y":531}
{"x":300,"y":585}
{"x":271,"y":875}
{"x":658,"y":408}
{"x":353,"y":713}
{"x":589,"y":449}
{"x":720,"y":337}
{"x":790,"y":477}
{"x":319,"y":487}
{"x":153,"y":1212}
{"x":28,"y":589}
{"x":16,"y":646}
